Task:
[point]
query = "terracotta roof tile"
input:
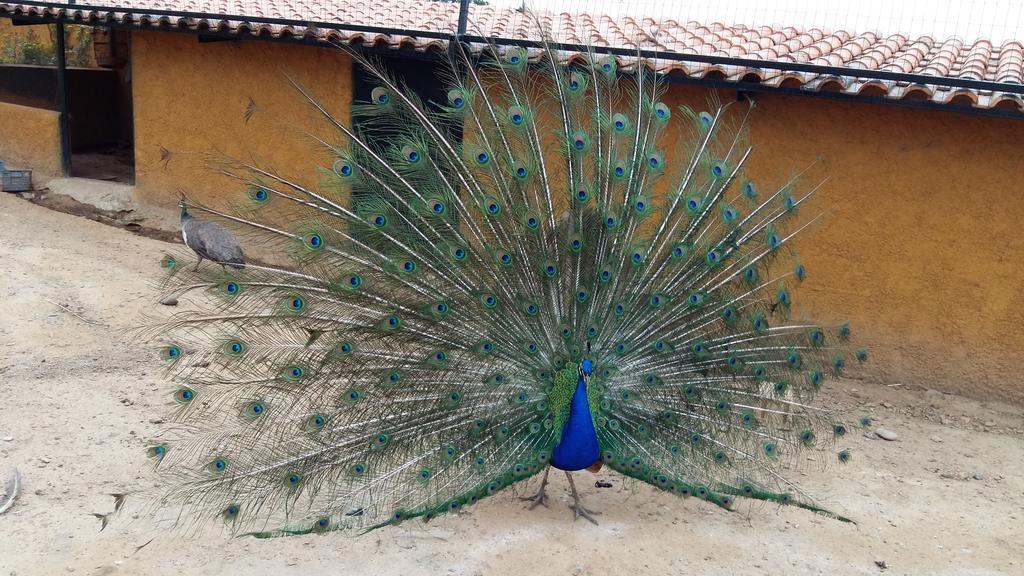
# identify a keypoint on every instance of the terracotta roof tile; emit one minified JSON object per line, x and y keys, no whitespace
{"x":901,"y":53}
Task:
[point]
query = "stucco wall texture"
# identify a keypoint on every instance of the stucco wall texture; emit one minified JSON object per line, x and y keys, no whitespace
{"x":918,"y":244}
{"x":190,"y":102}
{"x":30,"y":138}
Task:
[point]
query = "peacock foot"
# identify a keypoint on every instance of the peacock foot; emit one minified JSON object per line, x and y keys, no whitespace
{"x":577,"y":503}
{"x":582,"y":512}
{"x":541,"y":497}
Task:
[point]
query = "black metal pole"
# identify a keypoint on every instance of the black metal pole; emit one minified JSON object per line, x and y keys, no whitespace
{"x":463,"y":17}
{"x":62,"y":102}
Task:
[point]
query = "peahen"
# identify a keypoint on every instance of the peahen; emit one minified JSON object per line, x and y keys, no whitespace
{"x":578,"y":276}
{"x":210,"y":240}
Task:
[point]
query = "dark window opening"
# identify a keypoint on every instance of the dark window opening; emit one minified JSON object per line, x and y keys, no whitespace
{"x":422,"y":77}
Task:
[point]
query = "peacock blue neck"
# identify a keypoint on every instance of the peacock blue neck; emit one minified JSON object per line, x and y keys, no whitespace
{"x":578,"y":448}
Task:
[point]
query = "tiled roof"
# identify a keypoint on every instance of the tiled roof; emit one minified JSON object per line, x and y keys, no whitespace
{"x":900,"y":53}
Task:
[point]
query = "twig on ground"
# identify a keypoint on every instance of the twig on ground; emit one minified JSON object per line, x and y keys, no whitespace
{"x":75,"y":314}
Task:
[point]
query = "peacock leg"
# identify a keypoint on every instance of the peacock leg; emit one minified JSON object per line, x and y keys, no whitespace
{"x":577,"y":505}
{"x":200,"y":261}
{"x":540,"y":497}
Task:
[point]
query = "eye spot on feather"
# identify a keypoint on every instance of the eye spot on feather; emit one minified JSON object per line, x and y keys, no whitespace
{"x":342,"y":168}
{"x":379,"y":220}
{"x":381,"y":441}
{"x":799,"y":272}
{"x":380,"y":96}
{"x":259,"y":194}
{"x":218,"y":465}
{"x":184,"y":395}
{"x":254,"y":410}
{"x":314,"y":241}
{"x":661,"y":111}
{"x":316,"y":422}
{"x":172,"y":352}
{"x":807,"y":437}
{"x":157,"y":451}
{"x":456,"y":98}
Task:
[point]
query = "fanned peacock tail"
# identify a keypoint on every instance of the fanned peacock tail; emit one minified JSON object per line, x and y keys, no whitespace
{"x":415,"y":344}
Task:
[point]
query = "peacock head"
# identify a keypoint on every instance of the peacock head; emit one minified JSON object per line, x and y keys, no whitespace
{"x":184,"y":209}
{"x":587,"y":366}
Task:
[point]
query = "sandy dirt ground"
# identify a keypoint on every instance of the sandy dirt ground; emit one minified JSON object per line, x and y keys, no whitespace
{"x":79,"y":398}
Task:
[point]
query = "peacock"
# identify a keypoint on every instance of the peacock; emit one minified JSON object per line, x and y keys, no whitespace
{"x":550,"y":268}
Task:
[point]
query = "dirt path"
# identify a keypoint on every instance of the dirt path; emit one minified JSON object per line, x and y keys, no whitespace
{"x":78,"y":400}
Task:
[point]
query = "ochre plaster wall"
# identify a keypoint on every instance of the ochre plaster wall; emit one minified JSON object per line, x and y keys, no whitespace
{"x":919,"y":244}
{"x":30,"y":139}
{"x":191,"y":99}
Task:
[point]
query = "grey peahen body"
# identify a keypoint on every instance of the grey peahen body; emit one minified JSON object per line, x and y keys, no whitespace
{"x":210,"y":240}
{"x":586,"y":277}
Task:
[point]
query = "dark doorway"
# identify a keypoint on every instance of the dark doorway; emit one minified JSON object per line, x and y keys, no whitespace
{"x":100,"y":109}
